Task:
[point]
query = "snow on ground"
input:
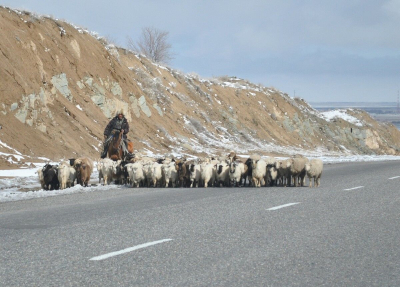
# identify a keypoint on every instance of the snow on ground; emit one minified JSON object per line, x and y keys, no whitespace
{"x":23,"y":184}
{"x":342,"y":114}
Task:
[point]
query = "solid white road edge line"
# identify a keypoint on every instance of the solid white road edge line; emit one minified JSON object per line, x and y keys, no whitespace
{"x":394,"y":177}
{"x":130,"y":249}
{"x":357,"y":187}
{"x":282,"y":206}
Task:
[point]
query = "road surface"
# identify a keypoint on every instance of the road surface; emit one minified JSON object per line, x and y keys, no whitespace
{"x":345,"y":233}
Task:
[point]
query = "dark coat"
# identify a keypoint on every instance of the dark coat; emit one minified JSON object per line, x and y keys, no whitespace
{"x":112,"y":125}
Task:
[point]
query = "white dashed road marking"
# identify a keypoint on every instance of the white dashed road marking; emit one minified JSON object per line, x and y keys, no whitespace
{"x":282,"y":206}
{"x":358,"y":187}
{"x":130,"y":249}
{"x":394,"y":177}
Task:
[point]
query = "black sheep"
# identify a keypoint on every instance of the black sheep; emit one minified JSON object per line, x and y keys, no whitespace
{"x":50,"y":177}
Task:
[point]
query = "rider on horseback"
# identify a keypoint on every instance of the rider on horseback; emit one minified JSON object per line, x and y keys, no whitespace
{"x":118,"y":124}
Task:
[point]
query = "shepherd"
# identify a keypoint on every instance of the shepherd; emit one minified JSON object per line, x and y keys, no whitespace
{"x":119,"y":124}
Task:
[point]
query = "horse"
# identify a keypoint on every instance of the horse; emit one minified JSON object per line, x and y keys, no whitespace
{"x":115,"y":151}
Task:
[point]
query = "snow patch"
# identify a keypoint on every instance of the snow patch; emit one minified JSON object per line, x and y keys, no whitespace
{"x":341,"y":114}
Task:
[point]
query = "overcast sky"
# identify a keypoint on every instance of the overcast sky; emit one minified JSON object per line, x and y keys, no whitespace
{"x":320,"y":50}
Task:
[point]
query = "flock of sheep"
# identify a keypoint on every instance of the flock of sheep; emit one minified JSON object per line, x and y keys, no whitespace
{"x":64,"y":175}
{"x":167,"y":172}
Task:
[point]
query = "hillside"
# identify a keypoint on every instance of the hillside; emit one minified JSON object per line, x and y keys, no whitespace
{"x":60,"y":85}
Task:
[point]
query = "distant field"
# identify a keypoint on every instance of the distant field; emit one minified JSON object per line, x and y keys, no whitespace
{"x":381,"y":111}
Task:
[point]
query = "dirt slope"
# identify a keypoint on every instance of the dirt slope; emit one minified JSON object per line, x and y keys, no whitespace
{"x":60,"y":85}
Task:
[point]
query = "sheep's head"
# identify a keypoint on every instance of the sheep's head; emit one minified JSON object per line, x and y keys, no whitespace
{"x":134,"y":168}
{"x":115,"y":167}
{"x":232,"y":167}
{"x":254,"y":163}
{"x":307,"y":166}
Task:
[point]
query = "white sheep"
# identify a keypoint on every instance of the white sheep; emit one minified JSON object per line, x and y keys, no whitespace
{"x":194,"y":174}
{"x":157,"y":175}
{"x":259,"y":171}
{"x":297,"y":170}
{"x":108,"y":168}
{"x":66,"y":175}
{"x":148,"y":172}
{"x":208,"y":173}
{"x":136,"y":174}
{"x":170,"y":173}
{"x":236,"y":173}
{"x":223,"y":173}
{"x":98,"y":166}
{"x":41,"y":178}
{"x":314,"y":170}
{"x":72,"y":177}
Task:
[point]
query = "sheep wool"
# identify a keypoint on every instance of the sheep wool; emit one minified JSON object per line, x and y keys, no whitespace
{"x":314,"y":170}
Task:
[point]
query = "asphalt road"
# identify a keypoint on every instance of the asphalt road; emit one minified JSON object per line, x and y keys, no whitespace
{"x":345,"y":233}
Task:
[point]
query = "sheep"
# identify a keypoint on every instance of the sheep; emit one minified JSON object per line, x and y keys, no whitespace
{"x":284,"y":172}
{"x":314,"y":170}
{"x":66,"y":175}
{"x":259,"y":171}
{"x":41,"y":177}
{"x":248,"y":163}
{"x":120,"y":175}
{"x":157,"y":174}
{"x":107,"y":169}
{"x":181,"y":169}
{"x":72,"y":176}
{"x":223,"y":174}
{"x":237,"y":173}
{"x":136,"y":174}
{"x":232,"y":157}
{"x":84,"y":168}
{"x":270,"y":161}
{"x":170,"y":173}
{"x":297,"y":170}
{"x":98,"y":166}
{"x":148,"y":173}
{"x":272,"y":171}
{"x":50,"y":177}
{"x":194,"y":174}
{"x":208,"y":173}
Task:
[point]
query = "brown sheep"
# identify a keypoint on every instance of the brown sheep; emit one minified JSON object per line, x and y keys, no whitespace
{"x":84,"y":168}
{"x":182,"y":169}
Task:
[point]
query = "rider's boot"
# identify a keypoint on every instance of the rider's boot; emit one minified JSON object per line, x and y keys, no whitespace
{"x":104,"y":151}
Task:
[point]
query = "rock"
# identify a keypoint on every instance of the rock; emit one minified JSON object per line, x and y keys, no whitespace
{"x":60,"y":82}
